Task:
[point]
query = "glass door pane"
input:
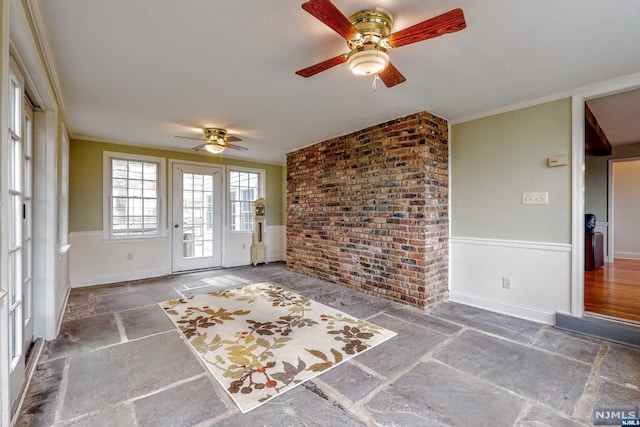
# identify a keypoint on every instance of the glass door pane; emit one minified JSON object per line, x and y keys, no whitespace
{"x":197,"y":215}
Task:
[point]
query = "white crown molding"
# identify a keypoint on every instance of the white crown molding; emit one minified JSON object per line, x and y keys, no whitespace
{"x":609,"y":87}
{"x":49,"y":62}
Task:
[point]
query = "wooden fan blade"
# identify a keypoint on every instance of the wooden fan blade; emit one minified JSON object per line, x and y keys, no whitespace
{"x":391,"y":76}
{"x":322,"y":66}
{"x":328,"y":14}
{"x":235,"y":147}
{"x":448,"y":22}
{"x":188,"y":137}
{"x":231,"y":138}
{"x":200,"y":147}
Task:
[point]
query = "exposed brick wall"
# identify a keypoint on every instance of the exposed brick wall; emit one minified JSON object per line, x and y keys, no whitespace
{"x":369,"y":210}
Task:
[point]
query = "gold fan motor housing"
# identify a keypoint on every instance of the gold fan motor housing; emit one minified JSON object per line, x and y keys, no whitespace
{"x":373,"y":25}
{"x":213,"y":134}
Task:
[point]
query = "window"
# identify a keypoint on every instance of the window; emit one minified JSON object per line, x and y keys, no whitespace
{"x":245,"y":186}
{"x":133,"y":191}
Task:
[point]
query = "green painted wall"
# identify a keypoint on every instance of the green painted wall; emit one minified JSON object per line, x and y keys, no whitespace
{"x":596,"y":179}
{"x":495,"y":159}
{"x":85,"y":180}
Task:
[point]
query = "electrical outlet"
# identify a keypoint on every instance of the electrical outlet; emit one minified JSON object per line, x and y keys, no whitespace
{"x":506,"y":282}
{"x":129,"y":257}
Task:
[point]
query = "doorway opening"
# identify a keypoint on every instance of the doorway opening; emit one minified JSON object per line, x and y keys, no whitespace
{"x":612,"y":194}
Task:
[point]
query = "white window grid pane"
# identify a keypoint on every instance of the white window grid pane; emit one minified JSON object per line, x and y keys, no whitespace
{"x":197,"y":215}
{"x":28,"y":137}
{"x":134,"y":198}
{"x":28,"y":178}
{"x":15,"y":119}
{"x":12,"y":277}
{"x":244,"y":188}
{"x":26,"y":300}
{"x":15,"y":220}
{"x":13,"y":344}
{"x":15,"y":164}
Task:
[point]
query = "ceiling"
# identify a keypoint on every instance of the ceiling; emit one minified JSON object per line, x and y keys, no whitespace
{"x":143,"y":71}
{"x":618,"y":116}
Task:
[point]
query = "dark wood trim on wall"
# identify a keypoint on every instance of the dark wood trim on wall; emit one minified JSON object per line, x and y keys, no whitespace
{"x":596,"y":142}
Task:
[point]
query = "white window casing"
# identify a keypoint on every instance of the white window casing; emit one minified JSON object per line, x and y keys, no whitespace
{"x":134,"y":196}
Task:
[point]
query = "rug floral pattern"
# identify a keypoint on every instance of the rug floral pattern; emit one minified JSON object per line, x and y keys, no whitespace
{"x":262,"y":340}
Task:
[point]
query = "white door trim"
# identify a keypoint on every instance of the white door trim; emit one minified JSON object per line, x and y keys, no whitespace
{"x":610,"y":201}
{"x":170,"y":223}
{"x":577,"y":182}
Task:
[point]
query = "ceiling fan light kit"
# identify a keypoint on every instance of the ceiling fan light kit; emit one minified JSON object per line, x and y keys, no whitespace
{"x":369,"y":61}
{"x":214,"y":148}
{"x":368,"y":55}
{"x":216,"y":140}
{"x":369,"y":37}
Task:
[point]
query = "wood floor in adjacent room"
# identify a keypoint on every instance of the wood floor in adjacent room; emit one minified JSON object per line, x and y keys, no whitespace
{"x":614,"y":290}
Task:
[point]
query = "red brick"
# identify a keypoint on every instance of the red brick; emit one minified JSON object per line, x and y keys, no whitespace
{"x":369,"y":210}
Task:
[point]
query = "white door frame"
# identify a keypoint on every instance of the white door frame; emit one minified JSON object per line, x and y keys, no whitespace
{"x":27,"y":224}
{"x":223,"y":171}
{"x":28,"y":53}
{"x":610,"y":201}
{"x":578,"y":181}
{"x":15,"y":221}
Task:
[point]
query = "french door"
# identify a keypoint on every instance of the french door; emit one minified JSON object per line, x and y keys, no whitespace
{"x":19,"y":229}
{"x":196,"y":216}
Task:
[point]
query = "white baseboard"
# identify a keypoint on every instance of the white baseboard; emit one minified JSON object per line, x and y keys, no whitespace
{"x":283,"y":237}
{"x":626,"y":255}
{"x":61,"y":311}
{"x":528,"y":313}
{"x":115,"y":278}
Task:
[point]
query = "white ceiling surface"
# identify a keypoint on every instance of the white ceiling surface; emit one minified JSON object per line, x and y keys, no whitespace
{"x":143,"y":71}
{"x":618,"y":116}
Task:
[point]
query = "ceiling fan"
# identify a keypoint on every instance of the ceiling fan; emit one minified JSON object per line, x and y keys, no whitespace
{"x":369,"y":37}
{"x":216,"y":140}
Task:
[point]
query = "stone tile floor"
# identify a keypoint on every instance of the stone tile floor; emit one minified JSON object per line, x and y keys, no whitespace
{"x":118,"y":361}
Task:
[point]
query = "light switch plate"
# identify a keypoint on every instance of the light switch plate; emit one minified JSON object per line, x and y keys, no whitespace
{"x":540,"y":198}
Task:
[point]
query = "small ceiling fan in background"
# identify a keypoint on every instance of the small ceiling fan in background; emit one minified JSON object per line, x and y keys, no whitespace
{"x":369,"y":37}
{"x":216,"y":140}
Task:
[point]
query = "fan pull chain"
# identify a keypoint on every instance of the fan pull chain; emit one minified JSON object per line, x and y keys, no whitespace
{"x":374,"y":85}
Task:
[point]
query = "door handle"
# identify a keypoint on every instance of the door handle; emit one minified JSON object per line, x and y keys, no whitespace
{"x":176,"y":226}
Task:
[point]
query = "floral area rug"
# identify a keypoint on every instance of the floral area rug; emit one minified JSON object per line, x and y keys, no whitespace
{"x":262,"y":340}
